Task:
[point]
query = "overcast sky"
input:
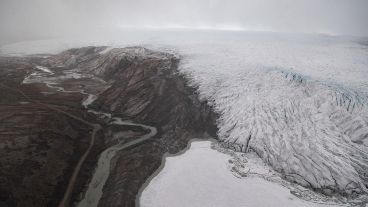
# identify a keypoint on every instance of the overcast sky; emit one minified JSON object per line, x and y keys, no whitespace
{"x":24,"y":19}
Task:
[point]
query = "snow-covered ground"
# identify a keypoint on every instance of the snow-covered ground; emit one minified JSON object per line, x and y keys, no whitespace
{"x":299,"y":101}
{"x":204,"y":177}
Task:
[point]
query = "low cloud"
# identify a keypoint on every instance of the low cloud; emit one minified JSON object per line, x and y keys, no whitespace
{"x":25,"y":19}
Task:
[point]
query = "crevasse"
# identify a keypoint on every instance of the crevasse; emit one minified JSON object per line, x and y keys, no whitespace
{"x":314,"y":133}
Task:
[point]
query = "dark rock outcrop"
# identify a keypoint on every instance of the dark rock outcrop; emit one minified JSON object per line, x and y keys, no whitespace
{"x":38,"y":146}
{"x":147,"y":88}
{"x":144,"y":86}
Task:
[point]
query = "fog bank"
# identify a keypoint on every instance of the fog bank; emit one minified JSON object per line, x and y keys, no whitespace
{"x":35,"y":19}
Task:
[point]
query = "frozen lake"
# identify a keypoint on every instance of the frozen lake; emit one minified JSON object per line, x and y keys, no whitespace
{"x":201,"y":177}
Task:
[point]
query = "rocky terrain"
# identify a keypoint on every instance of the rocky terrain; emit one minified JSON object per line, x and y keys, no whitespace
{"x":132,"y":83}
{"x":145,"y":87}
{"x":38,"y":145}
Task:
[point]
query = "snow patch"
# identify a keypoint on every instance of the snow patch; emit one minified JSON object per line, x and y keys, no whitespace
{"x":44,"y":69}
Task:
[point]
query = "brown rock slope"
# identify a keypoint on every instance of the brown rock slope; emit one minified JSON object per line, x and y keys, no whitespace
{"x":39,"y":147}
{"x":147,"y":88}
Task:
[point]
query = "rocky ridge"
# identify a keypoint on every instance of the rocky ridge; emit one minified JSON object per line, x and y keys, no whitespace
{"x":144,"y":86}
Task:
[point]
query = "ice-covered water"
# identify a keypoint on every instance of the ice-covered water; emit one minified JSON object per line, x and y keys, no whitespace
{"x":299,"y":101}
{"x":204,"y":177}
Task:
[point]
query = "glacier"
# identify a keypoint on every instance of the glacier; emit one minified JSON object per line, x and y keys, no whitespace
{"x":301,"y":105}
{"x":300,"y":102}
{"x":314,"y":134}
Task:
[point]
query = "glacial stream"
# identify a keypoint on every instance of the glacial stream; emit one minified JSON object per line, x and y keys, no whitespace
{"x":101,"y":173}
